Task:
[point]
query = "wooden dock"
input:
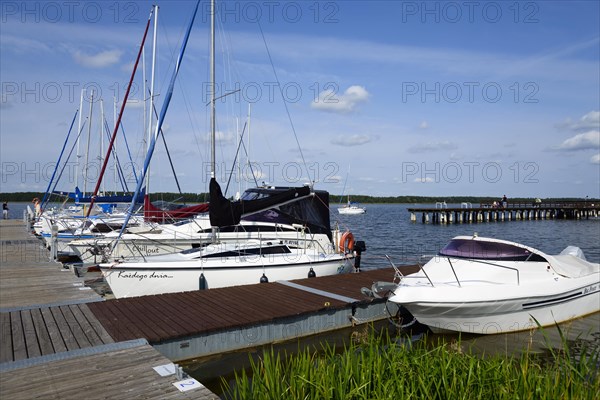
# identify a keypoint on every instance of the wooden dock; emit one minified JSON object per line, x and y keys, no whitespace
{"x":200,"y":323}
{"x":29,"y":277}
{"x":441,"y":214}
{"x":53,"y":347}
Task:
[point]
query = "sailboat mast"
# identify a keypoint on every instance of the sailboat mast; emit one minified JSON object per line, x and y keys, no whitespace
{"x":152,"y":74}
{"x":79,"y":131}
{"x":212,"y":90}
{"x":102,"y":139}
{"x":87,"y":154}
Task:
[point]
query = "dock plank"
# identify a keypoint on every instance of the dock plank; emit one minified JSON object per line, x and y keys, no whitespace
{"x":5,"y":338}
{"x":93,"y":321}
{"x":43,"y":337}
{"x":88,"y":331}
{"x":64,"y":329}
{"x":76,"y":329}
{"x":58,"y":343}
{"x":18,"y":337}
{"x":31,"y":341}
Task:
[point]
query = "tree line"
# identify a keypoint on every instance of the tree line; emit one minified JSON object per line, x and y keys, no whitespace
{"x":193,"y":198}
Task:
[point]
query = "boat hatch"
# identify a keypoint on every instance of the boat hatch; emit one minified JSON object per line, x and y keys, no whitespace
{"x":254,"y":251}
{"x":482,"y":250}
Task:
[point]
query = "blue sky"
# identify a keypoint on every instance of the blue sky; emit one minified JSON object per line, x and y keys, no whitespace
{"x":386,"y":98}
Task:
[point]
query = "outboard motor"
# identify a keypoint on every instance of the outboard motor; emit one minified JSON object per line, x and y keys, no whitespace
{"x":359,"y":247}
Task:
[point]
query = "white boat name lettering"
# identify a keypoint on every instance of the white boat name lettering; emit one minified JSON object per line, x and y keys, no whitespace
{"x":140,"y":276}
{"x":148,"y":250}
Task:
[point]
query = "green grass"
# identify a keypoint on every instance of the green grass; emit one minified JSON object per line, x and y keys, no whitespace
{"x":382,"y":369}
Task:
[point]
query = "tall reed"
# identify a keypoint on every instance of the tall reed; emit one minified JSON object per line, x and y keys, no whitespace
{"x":380,"y":368}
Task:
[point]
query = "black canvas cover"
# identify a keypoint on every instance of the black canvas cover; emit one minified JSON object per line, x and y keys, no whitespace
{"x":312,"y":211}
{"x":223,"y":212}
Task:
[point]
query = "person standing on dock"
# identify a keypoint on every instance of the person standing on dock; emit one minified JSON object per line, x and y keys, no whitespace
{"x":5,"y":210}
{"x":504,"y":201}
{"x":38,"y":207}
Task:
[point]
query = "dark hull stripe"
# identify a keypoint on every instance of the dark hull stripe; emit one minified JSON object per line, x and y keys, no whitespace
{"x":209,"y":268}
{"x":554,"y":301}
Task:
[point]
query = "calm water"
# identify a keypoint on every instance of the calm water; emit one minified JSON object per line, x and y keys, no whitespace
{"x":386,"y":229}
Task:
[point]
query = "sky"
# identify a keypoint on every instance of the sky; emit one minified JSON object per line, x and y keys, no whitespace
{"x":381,"y":98}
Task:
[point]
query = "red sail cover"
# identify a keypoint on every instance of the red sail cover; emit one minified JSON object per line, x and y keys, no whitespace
{"x":155,"y":214}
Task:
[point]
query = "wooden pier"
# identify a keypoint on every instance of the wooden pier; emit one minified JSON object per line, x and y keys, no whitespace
{"x":200,"y":323}
{"x":441,"y":214}
{"x":70,"y":342}
{"x":53,"y":347}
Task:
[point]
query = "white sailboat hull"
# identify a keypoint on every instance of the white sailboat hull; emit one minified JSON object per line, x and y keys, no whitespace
{"x":139,"y":279}
{"x":351,"y":210}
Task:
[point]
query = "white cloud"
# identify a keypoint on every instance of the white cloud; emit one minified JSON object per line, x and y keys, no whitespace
{"x":220,"y":137}
{"x":582,"y":141}
{"x":424,"y":125}
{"x":590,"y":121}
{"x":353,"y":140}
{"x":433,"y":146}
{"x":595,"y":159}
{"x":99,"y":60}
{"x":329,"y":100}
{"x":22,"y":44}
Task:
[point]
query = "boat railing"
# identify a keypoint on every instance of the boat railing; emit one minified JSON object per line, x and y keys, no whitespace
{"x":483,"y":262}
{"x":400,"y":275}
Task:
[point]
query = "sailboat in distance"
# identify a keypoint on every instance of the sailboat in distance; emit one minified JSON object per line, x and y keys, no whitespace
{"x":351,"y":208}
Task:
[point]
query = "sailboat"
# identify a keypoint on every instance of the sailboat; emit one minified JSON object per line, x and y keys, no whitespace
{"x":351,"y":208}
{"x":301,"y":242}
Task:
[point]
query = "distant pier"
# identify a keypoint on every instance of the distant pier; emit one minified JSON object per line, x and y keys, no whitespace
{"x":466,"y":213}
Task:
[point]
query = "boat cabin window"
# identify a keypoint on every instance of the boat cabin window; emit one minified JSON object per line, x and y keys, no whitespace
{"x":465,"y":248}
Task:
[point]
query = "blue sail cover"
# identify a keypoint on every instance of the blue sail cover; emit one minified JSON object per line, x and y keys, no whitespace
{"x":80,"y":198}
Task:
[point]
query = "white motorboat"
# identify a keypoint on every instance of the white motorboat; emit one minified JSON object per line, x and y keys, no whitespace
{"x":311,"y":250}
{"x":486,"y":286}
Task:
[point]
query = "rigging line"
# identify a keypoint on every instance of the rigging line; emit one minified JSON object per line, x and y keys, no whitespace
{"x":116,"y":156}
{"x":235,"y":158}
{"x":68,"y":157}
{"x":250,"y":165}
{"x":59,"y":158}
{"x":285,"y":102}
{"x":168,"y":153}
{"x":129,"y":153}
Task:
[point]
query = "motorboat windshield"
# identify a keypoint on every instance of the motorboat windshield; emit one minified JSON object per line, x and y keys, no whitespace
{"x":486,"y":250}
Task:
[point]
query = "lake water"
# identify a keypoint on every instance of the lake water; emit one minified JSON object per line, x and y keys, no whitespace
{"x":386,"y":229}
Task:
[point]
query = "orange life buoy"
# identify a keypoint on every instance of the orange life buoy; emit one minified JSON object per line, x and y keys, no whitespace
{"x":346,"y":242}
